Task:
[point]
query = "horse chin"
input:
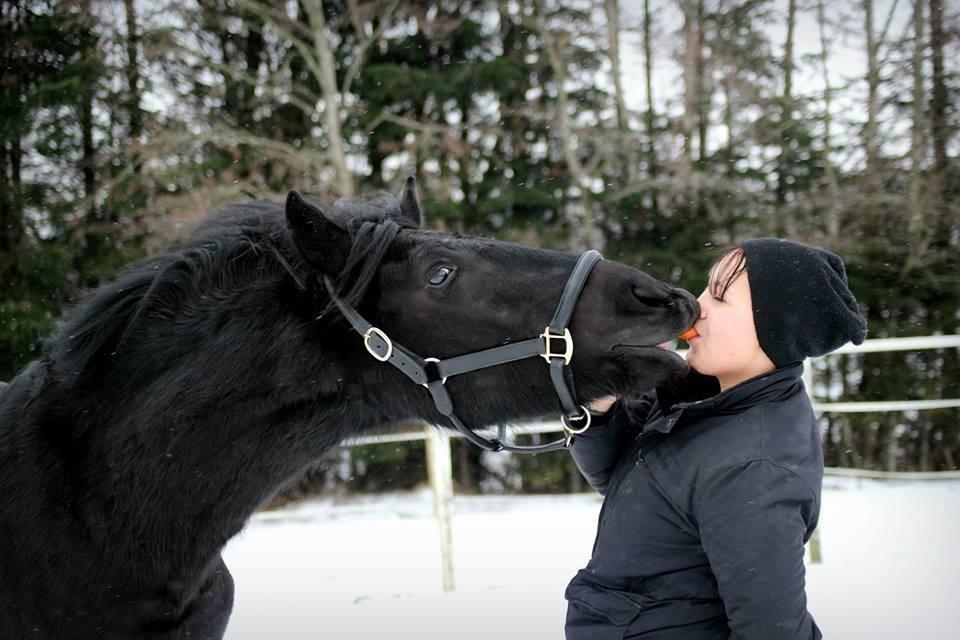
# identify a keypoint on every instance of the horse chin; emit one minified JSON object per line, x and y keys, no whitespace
{"x":649,"y":366}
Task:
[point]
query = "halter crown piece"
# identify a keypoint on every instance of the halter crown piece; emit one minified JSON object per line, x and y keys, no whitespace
{"x":555,"y":345}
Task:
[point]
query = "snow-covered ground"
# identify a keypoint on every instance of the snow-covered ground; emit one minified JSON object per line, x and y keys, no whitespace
{"x":369,"y":568}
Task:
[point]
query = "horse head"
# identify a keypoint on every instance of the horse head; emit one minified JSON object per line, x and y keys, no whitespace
{"x":444,"y":295}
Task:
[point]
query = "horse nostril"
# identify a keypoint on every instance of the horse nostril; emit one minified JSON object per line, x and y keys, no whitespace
{"x":691,"y":300}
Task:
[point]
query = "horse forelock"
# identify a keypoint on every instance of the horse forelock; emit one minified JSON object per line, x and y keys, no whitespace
{"x":370,"y":241}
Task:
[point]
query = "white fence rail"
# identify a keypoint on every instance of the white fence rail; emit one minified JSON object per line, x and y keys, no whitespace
{"x":882,"y":345}
{"x":440,"y":467}
{"x":911,"y":476}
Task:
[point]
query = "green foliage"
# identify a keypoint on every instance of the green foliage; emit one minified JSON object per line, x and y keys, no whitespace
{"x":31,"y":303}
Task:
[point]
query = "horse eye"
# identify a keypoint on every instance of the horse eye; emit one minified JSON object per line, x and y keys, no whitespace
{"x":440,"y":276}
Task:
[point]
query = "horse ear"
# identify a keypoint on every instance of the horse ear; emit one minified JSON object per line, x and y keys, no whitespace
{"x":409,"y":205}
{"x":323,"y":243}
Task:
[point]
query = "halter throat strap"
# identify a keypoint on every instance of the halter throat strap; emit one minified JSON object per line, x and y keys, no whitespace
{"x":432,"y":373}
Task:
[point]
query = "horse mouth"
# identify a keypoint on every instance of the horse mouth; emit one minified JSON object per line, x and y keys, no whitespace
{"x":648,"y":350}
{"x":663,"y":346}
{"x":648,"y":365}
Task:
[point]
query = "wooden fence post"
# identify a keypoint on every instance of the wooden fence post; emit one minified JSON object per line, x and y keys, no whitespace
{"x":813,"y":545}
{"x":440,"y":472}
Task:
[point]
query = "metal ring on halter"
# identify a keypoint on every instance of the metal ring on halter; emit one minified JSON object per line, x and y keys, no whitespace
{"x":382,"y":336}
{"x":442,"y":380}
{"x":569,"y":429}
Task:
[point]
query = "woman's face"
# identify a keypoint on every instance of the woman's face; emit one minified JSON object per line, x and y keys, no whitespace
{"x":727,"y":346}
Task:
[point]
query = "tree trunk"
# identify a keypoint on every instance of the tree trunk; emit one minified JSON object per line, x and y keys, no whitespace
{"x":949,"y":461}
{"x":136,"y":198}
{"x":848,"y":443}
{"x":516,"y":48}
{"x":702,"y":97}
{"x":889,"y":443}
{"x":214,"y":18}
{"x":575,"y":481}
{"x":467,"y":483}
{"x":253,"y":46}
{"x":96,"y":233}
{"x":343,"y":181}
{"x":785,"y":161}
{"x":923,"y":462}
{"x":88,"y":159}
{"x":134,"y":111}
{"x":650,"y":118}
{"x":730,"y":221}
{"x":581,"y":216}
{"x":728,"y":118}
{"x":11,"y":200}
{"x":628,"y":165}
{"x":833,"y":209}
{"x":11,"y":89}
{"x":464,"y":165}
{"x":252,"y":56}
{"x":688,"y":186}
{"x":940,"y":132}
{"x":870,"y":140}
{"x":945,"y":422}
{"x":850,"y":456}
{"x":863,"y":422}
{"x":585,"y":232}
{"x":917,"y":232}
{"x":870,"y":436}
{"x":938,"y":103}
{"x":690,"y":98}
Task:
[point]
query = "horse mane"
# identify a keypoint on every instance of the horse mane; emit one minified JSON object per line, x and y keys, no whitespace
{"x":246,"y":243}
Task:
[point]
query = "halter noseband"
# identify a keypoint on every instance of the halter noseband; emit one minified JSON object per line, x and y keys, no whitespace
{"x":432,"y":373}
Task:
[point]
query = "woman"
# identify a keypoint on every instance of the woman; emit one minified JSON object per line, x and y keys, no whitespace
{"x":712,"y":483}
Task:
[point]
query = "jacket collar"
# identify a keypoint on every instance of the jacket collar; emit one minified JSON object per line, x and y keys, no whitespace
{"x":696,"y":394}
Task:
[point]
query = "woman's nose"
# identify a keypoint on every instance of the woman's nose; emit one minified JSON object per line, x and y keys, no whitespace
{"x":704,"y":301}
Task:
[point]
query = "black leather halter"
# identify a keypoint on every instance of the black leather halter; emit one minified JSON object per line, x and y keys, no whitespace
{"x":433,"y":373}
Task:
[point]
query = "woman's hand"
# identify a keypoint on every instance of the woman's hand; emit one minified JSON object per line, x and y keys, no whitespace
{"x":602,"y":405}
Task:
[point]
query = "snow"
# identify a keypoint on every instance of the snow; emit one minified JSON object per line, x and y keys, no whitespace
{"x":369,"y":567}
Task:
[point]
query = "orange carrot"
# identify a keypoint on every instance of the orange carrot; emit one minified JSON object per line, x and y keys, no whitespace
{"x":689,"y":334}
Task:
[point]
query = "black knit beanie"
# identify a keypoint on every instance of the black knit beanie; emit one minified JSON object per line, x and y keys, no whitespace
{"x":802,"y":305}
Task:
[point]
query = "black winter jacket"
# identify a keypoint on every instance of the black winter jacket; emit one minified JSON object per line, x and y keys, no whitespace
{"x":708,"y":505}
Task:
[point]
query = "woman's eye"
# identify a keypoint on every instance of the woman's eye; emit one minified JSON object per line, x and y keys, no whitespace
{"x":440,"y":276}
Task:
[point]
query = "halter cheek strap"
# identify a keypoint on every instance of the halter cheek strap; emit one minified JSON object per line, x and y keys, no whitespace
{"x":555,"y":345}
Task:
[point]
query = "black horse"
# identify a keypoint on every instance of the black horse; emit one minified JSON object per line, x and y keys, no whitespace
{"x":174,"y":401}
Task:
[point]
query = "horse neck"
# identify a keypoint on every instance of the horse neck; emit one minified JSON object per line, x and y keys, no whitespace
{"x":206,"y":422}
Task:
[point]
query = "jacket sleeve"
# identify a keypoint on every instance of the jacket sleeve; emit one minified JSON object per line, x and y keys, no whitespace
{"x":753,"y":519}
{"x":597,"y":451}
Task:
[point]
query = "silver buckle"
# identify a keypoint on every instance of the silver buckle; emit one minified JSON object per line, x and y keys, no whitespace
{"x":366,"y":343}
{"x":568,"y":345}
{"x":570,"y":430}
